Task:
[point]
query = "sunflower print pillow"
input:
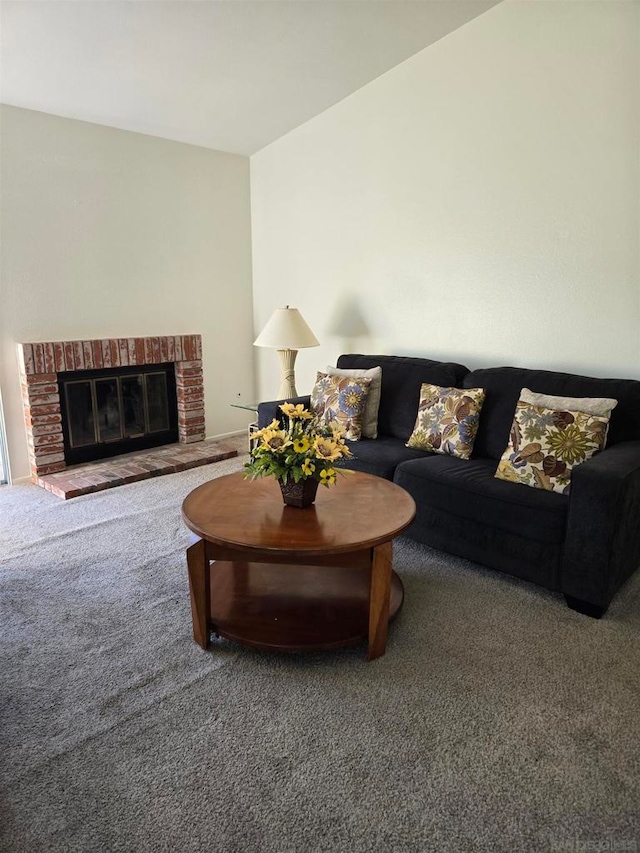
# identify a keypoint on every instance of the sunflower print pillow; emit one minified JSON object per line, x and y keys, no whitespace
{"x":341,"y":400}
{"x":447,"y":420}
{"x":545,"y":445}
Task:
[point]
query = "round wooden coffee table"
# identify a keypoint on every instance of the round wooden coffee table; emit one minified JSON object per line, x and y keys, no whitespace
{"x":282,"y":578}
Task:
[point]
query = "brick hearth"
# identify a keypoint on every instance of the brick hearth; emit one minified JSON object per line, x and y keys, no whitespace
{"x":120,"y":470}
{"x":41,"y":362}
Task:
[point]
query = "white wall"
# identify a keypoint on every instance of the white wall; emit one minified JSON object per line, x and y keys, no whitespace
{"x":107,"y":233}
{"x":480,"y":202}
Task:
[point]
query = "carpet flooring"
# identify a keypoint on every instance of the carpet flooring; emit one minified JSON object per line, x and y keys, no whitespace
{"x":498,"y":720}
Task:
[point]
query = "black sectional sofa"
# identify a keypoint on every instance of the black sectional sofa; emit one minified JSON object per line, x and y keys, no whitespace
{"x":584,"y":545}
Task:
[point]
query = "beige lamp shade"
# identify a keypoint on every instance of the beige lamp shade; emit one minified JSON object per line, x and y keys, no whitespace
{"x":286,"y":329}
{"x":287,"y":332}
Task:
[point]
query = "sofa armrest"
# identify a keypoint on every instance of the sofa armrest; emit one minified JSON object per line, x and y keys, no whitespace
{"x":268,"y":411}
{"x":602,"y":545}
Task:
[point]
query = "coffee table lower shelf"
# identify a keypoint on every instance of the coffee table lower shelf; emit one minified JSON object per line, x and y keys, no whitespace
{"x":291,"y":608}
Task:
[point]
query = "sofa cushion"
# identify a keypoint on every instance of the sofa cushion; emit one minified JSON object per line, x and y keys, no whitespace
{"x":503,"y":385}
{"x":379,"y":456}
{"x":401,"y":380}
{"x":470,"y":490}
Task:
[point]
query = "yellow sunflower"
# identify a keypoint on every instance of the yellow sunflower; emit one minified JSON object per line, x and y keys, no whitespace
{"x":297,"y":411}
{"x":308,"y":467}
{"x":302,"y":444}
{"x":259,"y":433}
{"x":328,"y":476}
{"x":275,"y":440}
{"x":326,"y":449}
{"x":338,"y":436}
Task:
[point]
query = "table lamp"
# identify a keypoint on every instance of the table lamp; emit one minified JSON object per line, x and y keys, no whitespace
{"x":286,"y":332}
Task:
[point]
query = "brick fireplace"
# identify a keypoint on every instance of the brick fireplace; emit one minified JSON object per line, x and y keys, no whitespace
{"x":40,"y":363}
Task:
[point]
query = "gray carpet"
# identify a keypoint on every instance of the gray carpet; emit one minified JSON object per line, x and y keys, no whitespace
{"x":498,"y":720}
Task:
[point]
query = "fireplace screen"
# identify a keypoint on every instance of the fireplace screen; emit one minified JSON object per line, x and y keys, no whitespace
{"x":115,"y":411}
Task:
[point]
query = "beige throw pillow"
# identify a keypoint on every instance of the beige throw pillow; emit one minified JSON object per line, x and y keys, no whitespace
{"x":599,"y":406}
{"x":370,"y":417}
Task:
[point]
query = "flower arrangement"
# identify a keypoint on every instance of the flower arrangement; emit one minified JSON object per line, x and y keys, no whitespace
{"x":307,"y":449}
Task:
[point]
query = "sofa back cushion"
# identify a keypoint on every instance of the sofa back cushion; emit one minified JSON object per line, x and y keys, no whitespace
{"x":503,"y":385}
{"x":402,"y":378}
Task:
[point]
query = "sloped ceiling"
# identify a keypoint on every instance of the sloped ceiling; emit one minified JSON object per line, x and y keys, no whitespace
{"x":233,"y":75}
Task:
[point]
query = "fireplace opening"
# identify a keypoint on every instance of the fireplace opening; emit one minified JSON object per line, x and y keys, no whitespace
{"x":117,"y":410}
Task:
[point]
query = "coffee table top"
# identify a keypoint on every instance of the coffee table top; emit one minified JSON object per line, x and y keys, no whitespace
{"x":359,"y":512}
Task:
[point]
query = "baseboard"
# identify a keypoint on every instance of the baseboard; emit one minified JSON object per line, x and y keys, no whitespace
{"x":17,"y":481}
{"x":222,"y":435}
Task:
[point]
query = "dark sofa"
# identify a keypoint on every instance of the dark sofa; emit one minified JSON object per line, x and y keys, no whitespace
{"x":584,"y":545}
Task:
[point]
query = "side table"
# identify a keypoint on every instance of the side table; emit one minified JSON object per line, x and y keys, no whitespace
{"x":253,"y":426}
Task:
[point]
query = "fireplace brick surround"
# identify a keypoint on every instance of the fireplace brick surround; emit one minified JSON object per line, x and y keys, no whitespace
{"x":41,"y":362}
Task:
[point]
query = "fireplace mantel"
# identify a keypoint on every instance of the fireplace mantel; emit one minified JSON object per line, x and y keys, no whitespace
{"x":41,"y":362}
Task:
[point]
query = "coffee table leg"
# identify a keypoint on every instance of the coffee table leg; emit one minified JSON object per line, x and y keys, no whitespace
{"x":379,"y":599}
{"x":199,"y":590}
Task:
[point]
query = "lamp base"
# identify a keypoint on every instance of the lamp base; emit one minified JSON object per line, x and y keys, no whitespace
{"x":287,"y":374}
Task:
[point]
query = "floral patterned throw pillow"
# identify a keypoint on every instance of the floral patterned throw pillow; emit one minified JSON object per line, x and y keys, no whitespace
{"x":447,"y":420}
{"x":545,"y":445}
{"x":341,"y":399}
